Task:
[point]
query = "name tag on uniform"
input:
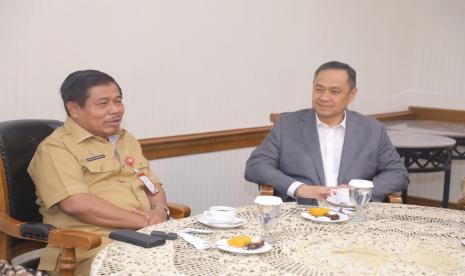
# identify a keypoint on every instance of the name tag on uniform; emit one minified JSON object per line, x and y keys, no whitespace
{"x":93,"y":158}
{"x":145,"y":179}
{"x":147,"y":183}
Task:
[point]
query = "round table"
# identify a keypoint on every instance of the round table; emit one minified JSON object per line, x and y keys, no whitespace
{"x":396,"y":239}
{"x":425,"y":153}
{"x":455,"y":130}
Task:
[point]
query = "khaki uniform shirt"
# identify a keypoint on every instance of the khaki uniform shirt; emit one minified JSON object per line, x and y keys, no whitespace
{"x":72,"y":161}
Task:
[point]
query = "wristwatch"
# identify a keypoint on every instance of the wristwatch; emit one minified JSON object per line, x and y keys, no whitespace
{"x":167,"y":210}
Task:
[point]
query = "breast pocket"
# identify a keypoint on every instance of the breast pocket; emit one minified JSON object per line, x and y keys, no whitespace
{"x":100,"y":170}
{"x":101,"y":165}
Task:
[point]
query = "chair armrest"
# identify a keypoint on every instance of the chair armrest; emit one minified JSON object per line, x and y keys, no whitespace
{"x":179,"y":211}
{"x":265,"y":190}
{"x":59,"y":237}
{"x":394,"y":198}
{"x":68,"y":240}
{"x":74,"y":239}
{"x":10,"y":226}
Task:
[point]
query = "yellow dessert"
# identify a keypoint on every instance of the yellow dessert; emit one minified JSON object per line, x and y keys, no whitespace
{"x":318,"y":212}
{"x":239,"y":241}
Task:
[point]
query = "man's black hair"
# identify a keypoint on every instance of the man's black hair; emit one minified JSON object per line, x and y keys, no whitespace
{"x":352,"y":75}
{"x":76,"y":86}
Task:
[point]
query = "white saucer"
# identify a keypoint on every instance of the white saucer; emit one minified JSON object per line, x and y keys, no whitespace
{"x":342,"y":218}
{"x":235,"y":223}
{"x":333,"y":200}
{"x":223,"y":245}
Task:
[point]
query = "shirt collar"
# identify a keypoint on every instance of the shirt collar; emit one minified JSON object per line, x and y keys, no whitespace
{"x":80,"y":134}
{"x":113,"y":139}
{"x":342,"y":123}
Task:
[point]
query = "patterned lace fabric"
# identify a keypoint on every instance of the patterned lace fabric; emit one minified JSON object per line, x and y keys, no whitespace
{"x":395,"y":239}
{"x":10,"y":270}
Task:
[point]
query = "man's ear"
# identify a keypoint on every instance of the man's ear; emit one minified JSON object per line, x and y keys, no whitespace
{"x":73,"y":109}
{"x":352,"y":94}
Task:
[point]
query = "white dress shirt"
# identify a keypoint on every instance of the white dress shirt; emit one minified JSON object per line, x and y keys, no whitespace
{"x":331,"y":142}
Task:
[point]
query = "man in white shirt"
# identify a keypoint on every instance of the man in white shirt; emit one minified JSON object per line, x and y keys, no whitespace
{"x":311,"y":151}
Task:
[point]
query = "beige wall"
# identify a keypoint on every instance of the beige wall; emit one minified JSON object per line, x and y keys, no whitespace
{"x":193,"y":66}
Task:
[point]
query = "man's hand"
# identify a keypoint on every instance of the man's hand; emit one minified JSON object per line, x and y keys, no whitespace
{"x":157,"y":215}
{"x":154,"y":216}
{"x":316,"y":192}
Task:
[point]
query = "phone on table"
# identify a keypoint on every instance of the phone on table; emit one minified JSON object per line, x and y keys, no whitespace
{"x":166,"y":235}
{"x":136,"y":238}
{"x":306,"y":201}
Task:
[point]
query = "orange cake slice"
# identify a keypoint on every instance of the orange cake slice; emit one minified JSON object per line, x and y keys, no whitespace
{"x":318,"y":212}
{"x":239,"y":241}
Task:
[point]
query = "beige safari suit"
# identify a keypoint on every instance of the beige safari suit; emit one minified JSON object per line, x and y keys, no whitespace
{"x":72,"y":161}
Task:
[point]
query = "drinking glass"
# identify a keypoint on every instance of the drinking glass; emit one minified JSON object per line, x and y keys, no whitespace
{"x":267,"y":214}
{"x":360,"y":194}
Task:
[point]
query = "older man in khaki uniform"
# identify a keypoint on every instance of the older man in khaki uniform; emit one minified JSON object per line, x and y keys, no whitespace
{"x":90,"y":174}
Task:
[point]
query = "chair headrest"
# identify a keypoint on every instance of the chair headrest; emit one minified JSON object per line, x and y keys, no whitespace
{"x":19,"y":140}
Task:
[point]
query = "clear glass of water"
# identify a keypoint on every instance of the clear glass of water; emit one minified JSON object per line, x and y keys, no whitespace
{"x":360,"y":194}
{"x":268,"y":214}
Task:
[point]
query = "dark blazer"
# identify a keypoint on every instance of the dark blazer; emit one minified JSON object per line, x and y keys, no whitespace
{"x":291,"y":152}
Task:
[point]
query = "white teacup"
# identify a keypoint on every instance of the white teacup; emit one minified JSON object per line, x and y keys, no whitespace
{"x":342,"y":195}
{"x":221,"y":214}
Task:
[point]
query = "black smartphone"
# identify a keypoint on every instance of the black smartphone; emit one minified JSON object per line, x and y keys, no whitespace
{"x":166,"y":235}
{"x":136,"y":238}
{"x":307,"y":201}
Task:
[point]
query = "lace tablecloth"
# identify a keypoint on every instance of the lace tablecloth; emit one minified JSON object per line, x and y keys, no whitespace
{"x":395,"y":239}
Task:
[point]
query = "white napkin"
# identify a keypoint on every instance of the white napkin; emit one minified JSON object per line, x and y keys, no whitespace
{"x":196,"y":242}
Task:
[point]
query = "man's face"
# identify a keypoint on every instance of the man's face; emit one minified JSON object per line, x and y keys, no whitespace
{"x":331,"y":95}
{"x":103,"y":111}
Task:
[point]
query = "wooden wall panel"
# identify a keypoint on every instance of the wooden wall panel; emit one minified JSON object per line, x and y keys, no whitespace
{"x":438,"y":114}
{"x":171,"y":146}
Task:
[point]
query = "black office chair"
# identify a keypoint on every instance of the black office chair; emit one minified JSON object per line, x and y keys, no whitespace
{"x":22,"y":231}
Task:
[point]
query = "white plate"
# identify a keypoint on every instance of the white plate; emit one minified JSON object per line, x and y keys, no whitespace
{"x":342,"y":217}
{"x":236,"y":223}
{"x":223,"y":245}
{"x":333,"y":200}
{"x":463,"y":242}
